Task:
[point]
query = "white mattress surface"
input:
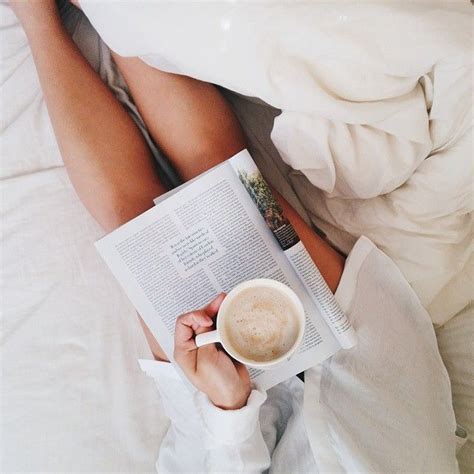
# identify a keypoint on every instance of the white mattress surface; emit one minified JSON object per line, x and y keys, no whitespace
{"x":73,"y":396}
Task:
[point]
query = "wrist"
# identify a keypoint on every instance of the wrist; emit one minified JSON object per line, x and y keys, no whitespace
{"x":233,"y":401}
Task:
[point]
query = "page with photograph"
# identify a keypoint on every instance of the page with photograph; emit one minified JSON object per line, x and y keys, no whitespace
{"x":204,"y":239}
{"x":298,"y":256}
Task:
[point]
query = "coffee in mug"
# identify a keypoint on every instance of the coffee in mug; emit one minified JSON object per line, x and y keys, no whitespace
{"x":260,"y":323}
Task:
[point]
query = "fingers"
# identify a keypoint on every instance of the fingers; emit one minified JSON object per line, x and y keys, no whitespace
{"x":213,"y":307}
{"x":184,"y":346}
{"x":211,"y":310}
{"x":198,"y":321}
{"x":187,"y":325}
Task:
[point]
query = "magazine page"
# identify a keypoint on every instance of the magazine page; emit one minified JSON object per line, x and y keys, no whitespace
{"x":204,"y":239}
{"x":294,"y":249}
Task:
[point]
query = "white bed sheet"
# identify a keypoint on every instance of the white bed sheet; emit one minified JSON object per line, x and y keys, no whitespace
{"x":73,"y":396}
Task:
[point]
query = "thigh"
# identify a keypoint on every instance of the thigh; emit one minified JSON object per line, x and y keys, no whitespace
{"x":188,"y":119}
{"x":197,"y":129}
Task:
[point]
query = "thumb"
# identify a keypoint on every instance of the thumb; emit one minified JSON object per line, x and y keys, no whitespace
{"x":212,"y":308}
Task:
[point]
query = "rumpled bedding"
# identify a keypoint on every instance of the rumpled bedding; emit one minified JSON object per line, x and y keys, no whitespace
{"x":375,"y":121}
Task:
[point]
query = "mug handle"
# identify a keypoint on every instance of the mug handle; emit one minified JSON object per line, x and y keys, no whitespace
{"x":207,"y":338}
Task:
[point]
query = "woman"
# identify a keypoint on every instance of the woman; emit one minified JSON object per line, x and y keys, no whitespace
{"x":107,"y":159}
{"x":112,"y":170}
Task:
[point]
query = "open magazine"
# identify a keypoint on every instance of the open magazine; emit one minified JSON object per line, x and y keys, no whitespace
{"x":205,"y":237}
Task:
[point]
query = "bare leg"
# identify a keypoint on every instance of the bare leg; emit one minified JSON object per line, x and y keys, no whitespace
{"x":196,"y":128}
{"x":107,"y":160}
{"x":105,"y":155}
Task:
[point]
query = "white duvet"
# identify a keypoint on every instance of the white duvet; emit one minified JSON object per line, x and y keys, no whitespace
{"x":376,"y":113}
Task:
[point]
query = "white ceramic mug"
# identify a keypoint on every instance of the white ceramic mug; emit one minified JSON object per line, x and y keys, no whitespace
{"x":219,"y":336}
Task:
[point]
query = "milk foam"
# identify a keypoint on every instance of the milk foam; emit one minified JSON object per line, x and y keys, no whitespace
{"x":261,"y":324}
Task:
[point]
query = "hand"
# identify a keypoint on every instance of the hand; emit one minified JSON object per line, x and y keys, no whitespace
{"x":225,"y":381}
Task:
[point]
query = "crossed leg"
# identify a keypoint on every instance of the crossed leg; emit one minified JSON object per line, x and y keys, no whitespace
{"x":105,"y":155}
{"x":196,"y":128}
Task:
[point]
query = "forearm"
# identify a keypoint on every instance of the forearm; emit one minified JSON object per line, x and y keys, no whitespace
{"x":203,"y":438}
{"x":105,"y":155}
